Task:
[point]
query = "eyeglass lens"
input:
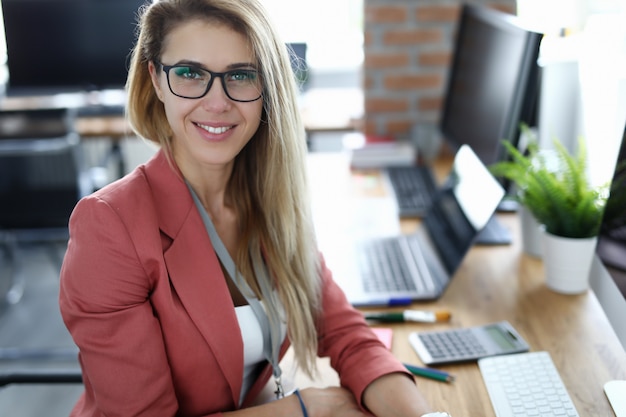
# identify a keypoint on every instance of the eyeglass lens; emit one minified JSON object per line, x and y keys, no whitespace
{"x":192,"y":82}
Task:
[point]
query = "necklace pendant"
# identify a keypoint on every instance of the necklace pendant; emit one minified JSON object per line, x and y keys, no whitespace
{"x":280,"y":392}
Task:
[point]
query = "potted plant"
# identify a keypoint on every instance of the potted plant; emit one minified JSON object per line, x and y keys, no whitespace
{"x":554,"y":188}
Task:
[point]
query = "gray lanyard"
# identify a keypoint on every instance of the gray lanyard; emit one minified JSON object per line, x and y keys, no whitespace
{"x":270,"y":328}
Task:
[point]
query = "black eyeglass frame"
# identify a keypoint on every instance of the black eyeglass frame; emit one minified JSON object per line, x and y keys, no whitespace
{"x":214,"y":75}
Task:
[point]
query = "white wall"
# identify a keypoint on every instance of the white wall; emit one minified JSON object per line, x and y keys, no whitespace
{"x":584,"y":88}
{"x":603,"y":91}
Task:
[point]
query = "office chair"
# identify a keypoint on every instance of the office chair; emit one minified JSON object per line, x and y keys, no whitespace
{"x":42,"y":176}
{"x":42,"y":376}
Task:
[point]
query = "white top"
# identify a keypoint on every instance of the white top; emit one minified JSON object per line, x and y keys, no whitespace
{"x":252,"y":337}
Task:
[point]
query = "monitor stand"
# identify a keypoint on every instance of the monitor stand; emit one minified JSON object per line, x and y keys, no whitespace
{"x":494,"y":233}
{"x":615,"y":392}
{"x":508,"y":205}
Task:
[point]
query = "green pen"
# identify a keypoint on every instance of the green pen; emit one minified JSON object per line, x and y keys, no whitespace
{"x":430,"y":373}
{"x":409,"y":315}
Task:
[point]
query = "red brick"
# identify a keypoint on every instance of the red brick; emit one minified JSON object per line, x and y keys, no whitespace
{"x":409,"y":37}
{"x":430,"y":103}
{"x":413,"y":81}
{"x":386,"y":60}
{"x":399,"y":127}
{"x":435,"y":59}
{"x":438,"y":13}
{"x":385,"y":14}
{"x":385,"y":105}
{"x":367,"y":81}
{"x":369,"y":126}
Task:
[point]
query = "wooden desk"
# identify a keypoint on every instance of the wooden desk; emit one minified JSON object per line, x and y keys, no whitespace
{"x":494,"y":283}
{"x":111,"y":126}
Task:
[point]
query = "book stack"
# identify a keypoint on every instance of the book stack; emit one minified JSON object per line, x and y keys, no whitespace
{"x":367,"y":151}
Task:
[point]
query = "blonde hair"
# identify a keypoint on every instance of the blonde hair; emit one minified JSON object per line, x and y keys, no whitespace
{"x":268,"y":183}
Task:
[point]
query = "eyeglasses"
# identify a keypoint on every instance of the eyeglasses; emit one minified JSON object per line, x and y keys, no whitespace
{"x":188,"y":81}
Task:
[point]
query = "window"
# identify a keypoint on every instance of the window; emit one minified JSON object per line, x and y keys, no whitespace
{"x":554,"y":15}
{"x":332,"y":30}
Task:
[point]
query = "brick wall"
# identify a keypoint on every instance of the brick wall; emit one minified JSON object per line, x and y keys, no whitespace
{"x":408,"y":48}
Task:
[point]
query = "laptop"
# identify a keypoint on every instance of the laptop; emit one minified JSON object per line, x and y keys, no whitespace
{"x":414,"y":187}
{"x":400,"y":269}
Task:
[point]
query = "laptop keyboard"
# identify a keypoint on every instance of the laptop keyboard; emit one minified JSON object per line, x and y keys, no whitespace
{"x":413,"y":187}
{"x":386,"y":266}
{"x":526,"y":384}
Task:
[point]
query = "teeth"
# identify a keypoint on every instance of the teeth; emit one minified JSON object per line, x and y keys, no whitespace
{"x":214,"y":130}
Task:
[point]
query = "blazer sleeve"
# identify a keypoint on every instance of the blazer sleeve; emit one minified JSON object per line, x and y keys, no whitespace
{"x":355,"y":352}
{"x":104,"y":302}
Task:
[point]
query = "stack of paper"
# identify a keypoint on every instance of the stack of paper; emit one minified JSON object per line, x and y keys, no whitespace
{"x":378,"y":151}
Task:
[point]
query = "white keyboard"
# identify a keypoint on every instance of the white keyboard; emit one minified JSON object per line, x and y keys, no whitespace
{"x":526,"y":384}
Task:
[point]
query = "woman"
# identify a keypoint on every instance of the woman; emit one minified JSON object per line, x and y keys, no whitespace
{"x":185,"y":282}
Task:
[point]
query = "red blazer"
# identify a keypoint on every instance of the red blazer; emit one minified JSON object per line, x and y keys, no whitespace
{"x":145,"y":300}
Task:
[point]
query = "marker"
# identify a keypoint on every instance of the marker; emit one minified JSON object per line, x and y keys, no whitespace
{"x":384,"y":302}
{"x":430,"y":373}
{"x":410,"y":315}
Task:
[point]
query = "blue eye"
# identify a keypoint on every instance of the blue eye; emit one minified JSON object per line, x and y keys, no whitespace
{"x":242,"y":76}
{"x":190,"y":73}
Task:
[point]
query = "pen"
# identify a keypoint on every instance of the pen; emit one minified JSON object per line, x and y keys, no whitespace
{"x":410,"y":315}
{"x":431,"y":373}
{"x":382,"y":302}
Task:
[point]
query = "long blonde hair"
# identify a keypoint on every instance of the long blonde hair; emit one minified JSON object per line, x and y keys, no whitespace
{"x":268,"y":183}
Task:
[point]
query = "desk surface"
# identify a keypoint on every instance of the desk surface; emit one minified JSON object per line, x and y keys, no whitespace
{"x":494,"y":283}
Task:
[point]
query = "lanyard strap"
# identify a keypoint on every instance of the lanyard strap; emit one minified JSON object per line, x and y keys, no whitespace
{"x":269,"y":320}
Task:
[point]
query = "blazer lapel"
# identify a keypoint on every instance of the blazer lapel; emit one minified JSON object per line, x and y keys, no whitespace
{"x":195,"y":271}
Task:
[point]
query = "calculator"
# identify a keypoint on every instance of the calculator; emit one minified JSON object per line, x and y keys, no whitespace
{"x":467,"y":344}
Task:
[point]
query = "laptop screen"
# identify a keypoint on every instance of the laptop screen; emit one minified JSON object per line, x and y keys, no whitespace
{"x":462,"y":207}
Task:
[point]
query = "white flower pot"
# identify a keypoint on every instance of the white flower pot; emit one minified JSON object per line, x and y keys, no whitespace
{"x":531,"y":233}
{"x":567,"y":262}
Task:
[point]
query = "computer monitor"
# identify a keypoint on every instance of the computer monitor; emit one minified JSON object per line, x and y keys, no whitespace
{"x":58,"y":46}
{"x":492,"y":84}
{"x":608,"y":270}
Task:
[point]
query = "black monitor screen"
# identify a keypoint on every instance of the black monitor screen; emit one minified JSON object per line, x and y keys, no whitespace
{"x":611,"y":247}
{"x":68,"y":45}
{"x":608,"y":272}
{"x":492,"y":84}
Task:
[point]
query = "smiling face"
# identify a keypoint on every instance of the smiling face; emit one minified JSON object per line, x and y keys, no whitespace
{"x":208,"y":132}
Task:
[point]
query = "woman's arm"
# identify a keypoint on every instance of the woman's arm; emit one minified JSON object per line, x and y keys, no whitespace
{"x":395,"y":395}
{"x":392,"y":395}
{"x":318,"y":402}
{"x":104,"y":301}
{"x":347,"y":339}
